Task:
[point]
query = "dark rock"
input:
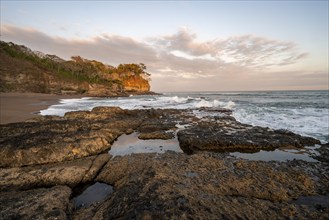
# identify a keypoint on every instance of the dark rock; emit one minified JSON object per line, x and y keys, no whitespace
{"x":224,"y":111}
{"x":157,"y":186}
{"x":69,"y":173}
{"x":228,"y":135}
{"x":91,"y":194}
{"x":51,"y":203}
{"x":51,"y":151}
{"x":154,"y":125}
{"x":77,"y":135}
{"x":324,"y":153}
{"x":156,"y":135}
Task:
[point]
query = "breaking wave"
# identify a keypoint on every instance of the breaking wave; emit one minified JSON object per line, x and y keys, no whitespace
{"x":303,"y":112}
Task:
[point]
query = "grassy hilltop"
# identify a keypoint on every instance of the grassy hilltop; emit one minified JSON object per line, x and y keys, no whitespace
{"x":24,"y":70}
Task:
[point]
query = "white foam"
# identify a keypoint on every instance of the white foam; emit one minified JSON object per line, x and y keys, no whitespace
{"x":134,"y":102}
{"x":209,"y":104}
{"x":308,"y":121}
{"x":230,"y":105}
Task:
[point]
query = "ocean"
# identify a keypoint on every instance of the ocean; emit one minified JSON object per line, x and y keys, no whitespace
{"x":303,"y":112}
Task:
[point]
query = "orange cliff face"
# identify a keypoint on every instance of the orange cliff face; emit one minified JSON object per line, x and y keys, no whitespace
{"x":24,"y":70}
{"x":136,"y":83}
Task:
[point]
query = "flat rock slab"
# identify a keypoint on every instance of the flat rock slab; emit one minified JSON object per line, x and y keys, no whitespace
{"x":228,"y":135}
{"x":71,"y":150}
{"x":51,"y":203}
{"x":157,"y":135}
{"x":205,"y":185}
{"x":69,"y":173}
{"x":86,"y":133}
{"x":56,"y":139}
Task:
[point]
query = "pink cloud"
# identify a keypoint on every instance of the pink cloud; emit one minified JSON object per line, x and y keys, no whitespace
{"x":219,"y":64}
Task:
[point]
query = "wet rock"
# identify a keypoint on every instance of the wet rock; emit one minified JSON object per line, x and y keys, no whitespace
{"x":228,"y":135}
{"x":319,"y":172}
{"x":324,"y":153}
{"x":203,"y":185}
{"x":69,"y":173}
{"x":86,"y":133}
{"x":93,"y":194}
{"x":51,"y":203}
{"x":156,"y":135}
{"x":97,"y":113}
{"x":232,"y":176}
{"x":85,"y":213}
{"x":160,"y":124}
{"x":223,"y":111}
{"x":156,"y":125}
{"x":70,"y":151}
{"x":77,"y":135}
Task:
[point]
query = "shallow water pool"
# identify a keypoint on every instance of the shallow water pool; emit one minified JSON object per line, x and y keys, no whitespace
{"x":131,"y":144}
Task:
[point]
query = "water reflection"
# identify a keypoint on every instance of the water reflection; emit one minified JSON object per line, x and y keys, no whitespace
{"x":129,"y":144}
{"x":276,"y":155}
{"x":93,"y":194}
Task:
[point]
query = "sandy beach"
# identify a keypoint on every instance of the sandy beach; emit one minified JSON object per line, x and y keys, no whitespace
{"x":18,"y":107}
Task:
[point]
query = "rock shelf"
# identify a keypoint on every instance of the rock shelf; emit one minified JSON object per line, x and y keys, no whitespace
{"x":44,"y":159}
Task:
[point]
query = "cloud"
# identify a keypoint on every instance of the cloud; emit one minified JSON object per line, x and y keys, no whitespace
{"x":180,"y":61}
{"x":111,"y":49}
{"x":185,"y":41}
{"x":248,"y":50}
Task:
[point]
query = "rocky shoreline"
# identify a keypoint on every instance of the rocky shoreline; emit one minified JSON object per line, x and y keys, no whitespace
{"x":49,"y":160}
{"x":21,"y":106}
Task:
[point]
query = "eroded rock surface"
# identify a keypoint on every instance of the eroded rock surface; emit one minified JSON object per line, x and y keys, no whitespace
{"x":77,"y":135}
{"x":324,"y":153}
{"x":85,"y":133}
{"x":204,"y":185}
{"x":69,"y":173}
{"x":51,"y":203}
{"x":65,"y":153}
{"x":157,"y":135}
{"x":227,"y":134}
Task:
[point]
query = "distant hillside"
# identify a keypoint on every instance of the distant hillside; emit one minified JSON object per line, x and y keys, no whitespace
{"x":24,"y":70}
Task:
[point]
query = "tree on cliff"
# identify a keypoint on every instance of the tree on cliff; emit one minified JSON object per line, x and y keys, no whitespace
{"x":134,"y":70}
{"x":145,"y":74}
{"x":73,"y":74}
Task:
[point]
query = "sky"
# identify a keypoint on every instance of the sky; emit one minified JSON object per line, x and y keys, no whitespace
{"x":186,"y":45}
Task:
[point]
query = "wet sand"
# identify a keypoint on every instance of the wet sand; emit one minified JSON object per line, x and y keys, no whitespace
{"x":18,"y":107}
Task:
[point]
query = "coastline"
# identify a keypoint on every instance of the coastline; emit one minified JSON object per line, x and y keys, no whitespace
{"x":18,"y":107}
{"x":21,"y":106}
{"x":50,"y":166}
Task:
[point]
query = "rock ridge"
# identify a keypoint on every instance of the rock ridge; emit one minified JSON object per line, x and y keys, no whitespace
{"x":44,"y":159}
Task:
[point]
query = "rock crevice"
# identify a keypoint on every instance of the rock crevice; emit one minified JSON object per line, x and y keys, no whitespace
{"x":44,"y":158}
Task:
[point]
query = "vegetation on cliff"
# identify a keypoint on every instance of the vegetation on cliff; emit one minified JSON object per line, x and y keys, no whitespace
{"x":24,"y":70}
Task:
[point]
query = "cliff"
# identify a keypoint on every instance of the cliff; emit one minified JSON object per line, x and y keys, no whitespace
{"x":136,"y":83}
{"x":24,"y":70}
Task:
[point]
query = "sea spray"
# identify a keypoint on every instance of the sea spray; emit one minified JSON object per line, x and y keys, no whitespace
{"x":303,"y":112}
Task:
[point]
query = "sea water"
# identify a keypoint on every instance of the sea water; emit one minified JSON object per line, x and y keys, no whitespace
{"x":303,"y":112}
